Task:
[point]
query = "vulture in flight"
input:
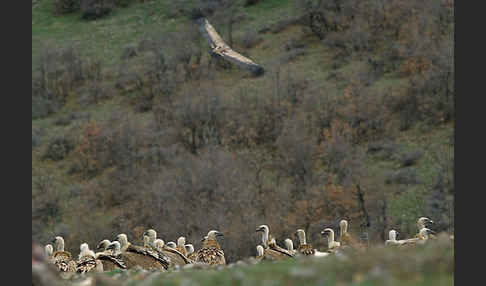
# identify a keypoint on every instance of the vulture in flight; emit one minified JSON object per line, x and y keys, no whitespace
{"x":220,"y":48}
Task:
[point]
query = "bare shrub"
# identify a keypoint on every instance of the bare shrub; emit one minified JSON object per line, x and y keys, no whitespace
{"x":47,"y":196}
{"x":91,"y":151}
{"x":322,"y":109}
{"x":37,"y":134}
{"x":60,"y":71}
{"x":407,"y":106}
{"x":67,"y":119}
{"x":439,"y":202}
{"x":200,"y":116}
{"x":338,"y":153}
{"x":407,"y":176}
{"x":205,"y":192}
{"x":74,"y":63}
{"x":125,"y":3}
{"x":58,"y":148}
{"x":297,"y":149}
{"x":410,"y":158}
{"x":94,"y":9}
{"x":126,"y":79}
{"x":364,"y":111}
{"x":292,"y":49}
{"x":251,"y":2}
{"x":295,"y":87}
{"x":249,"y":39}
{"x":282,"y":24}
{"x":383,"y":149}
{"x":42,"y":102}
{"x":65,"y":6}
{"x":129,"y":51}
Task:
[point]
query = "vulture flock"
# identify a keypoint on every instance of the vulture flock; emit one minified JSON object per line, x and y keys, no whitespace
{"x":155,"y":254}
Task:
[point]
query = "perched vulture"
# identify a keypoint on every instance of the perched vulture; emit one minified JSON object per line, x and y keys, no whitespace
{"x":210,"y":252}
{"x":61,"y":258}
{"x":48,"y":250}
{"x":304,"y":248}
{"x":332,"y":245}
{"x":87,"y":261}
{"x":44,"y":273}
{"x":290,"y":246}
{"x":260,"y":252}
{"x":345,"y":238}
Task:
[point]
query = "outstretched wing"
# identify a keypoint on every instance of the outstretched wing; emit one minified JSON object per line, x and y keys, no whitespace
{"x":220,"y":48}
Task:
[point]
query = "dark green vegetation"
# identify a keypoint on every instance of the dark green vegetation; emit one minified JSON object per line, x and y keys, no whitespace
{"x":431,"y":265}
{"x":134,"y":125}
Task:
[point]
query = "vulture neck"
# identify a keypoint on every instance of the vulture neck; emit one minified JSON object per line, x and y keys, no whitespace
{"x":330,"y":238}
{"x":265,"y":237}
{"x":302,"y":238}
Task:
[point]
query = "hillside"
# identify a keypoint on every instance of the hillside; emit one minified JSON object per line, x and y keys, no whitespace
{"x":135,"y":125}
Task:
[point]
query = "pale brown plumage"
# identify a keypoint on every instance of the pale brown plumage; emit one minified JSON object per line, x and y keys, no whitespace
{"x":62,"y":259}
{"x":87,"y":261}
{"x":181,"y":245}
{"x":134,"y":255}
{"x":210,"y":252}
{"x":44,"y":273}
